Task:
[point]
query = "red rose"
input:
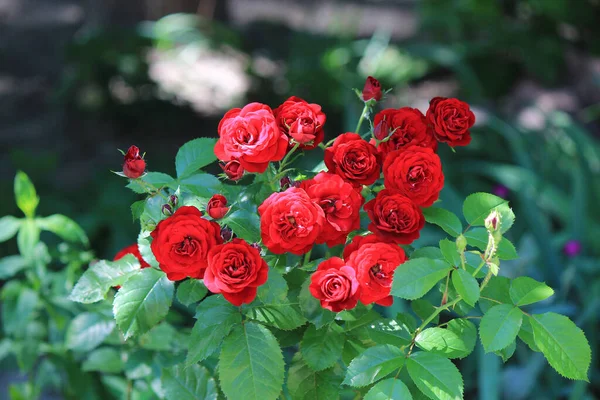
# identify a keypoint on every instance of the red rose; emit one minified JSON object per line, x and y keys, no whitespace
{"x":133,"y":165}
{"x":354,"y":159}
{"x":340,"y":203}
{"x":290,"y":221}
{"x":407,"y":127}
{"x":233,"y":169}
{"x":451,"y":120}
{"x":416,"y":172}
{"x":251,"y":136}
{"x":217,"y":206}
{"x":375,"y":264}
{"x":301,"y":121}
{"x":358,"y":241}
{"x":132,"y":249}
{"x":235,"y":269}
{"x":335,"y":284}
{"x":371,"y":90}
{"x":181,"y":243}
{"x":395,"y":217}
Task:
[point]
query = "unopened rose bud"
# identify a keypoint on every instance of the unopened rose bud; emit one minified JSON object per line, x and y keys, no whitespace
{"x":372,"y":90}
{"x":173,"y":200}
{"x":255,"y":246}
{"x":167,"y":210}
{"x":133,"y":165}
{"x":217,"y":206}
{"x":461,"y":243}
{"x":381,"y":130}
{"x":287,"y":182}
{"x":226,"y":233}
{"x":233,"y":169}
{"x":492,"y":222}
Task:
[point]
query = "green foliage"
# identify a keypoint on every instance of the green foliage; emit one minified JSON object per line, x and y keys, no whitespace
{"x":321,"y":348}
{"x":88,"y":331}
{"x":374,"y":364}
{"x":311,"y":308}
{"x":457,"y":341}
{"x":105,"y":359}
{"x":64,"y":227}
{"x":11,"y":265}
{"x":478,"y":206}
{"x":524,"y":291}
{"x":251,"y":364}
{"x":191,"y":291}
{"x":466,"y":286}
{"x":9,"y":226}
{"x":283,"y":315}
{"x":25,"y":194}
{"x":244,"y":224}
{"x":435,"y":376}
{"x":416,"y":277}
{"x":194,"y":155}
{"x":193,"y":382}
{"x":304,"y":383}
{"x":500,"y":326}
{"x":28,"y":237}
{"x":142,"y":302}
{"x":389,"y":389}
{"x":446,"y":220}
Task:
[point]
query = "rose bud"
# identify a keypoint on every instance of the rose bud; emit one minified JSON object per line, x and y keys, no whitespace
{"x":372,"y":89}
{"x":492,"y":222}
{"x":216,"y":207}
{"x":233,"y":169}
{"x":134,"y":165}
{"x":382,"y":130}
{"x":173,"y":200}
{"x":256,"y":246}
{"x":226,"y":233}
{"x":167,"y":210}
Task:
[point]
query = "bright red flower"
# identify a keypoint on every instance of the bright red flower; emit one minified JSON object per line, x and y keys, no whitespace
{"x":375,"y":264}
{"x":301,"y":121}
{"x":181,"y":243}
{"x":408,"y":127}
{"x":340,"y":203}
{"x":133,"y":165}
{"x":235,"y":269}
{"x":358,"y":241}
{"x":354,"y":159}
{"x":372,"y":89}
{"x":334,"y":283}
{"x":251,"y":136}
{"x":416,"y":172}
{"x":290,"y":221}
{"x":451,"y":120}
{"x":217,"y":206}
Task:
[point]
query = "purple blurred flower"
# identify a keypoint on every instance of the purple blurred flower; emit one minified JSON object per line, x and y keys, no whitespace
{"x":572,"y":248}
{"x":501,"y":191}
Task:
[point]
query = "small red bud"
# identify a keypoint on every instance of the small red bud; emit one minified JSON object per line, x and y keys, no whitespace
{"x":382,"y":130}
{"x":217,"y":206}
{"x":167,"y":210}
{"x":233,"y":169}
{"x":133,"y":165}
{"x":226,"y":233}
{"x":372,"y":89}
{"x":173,"y":200}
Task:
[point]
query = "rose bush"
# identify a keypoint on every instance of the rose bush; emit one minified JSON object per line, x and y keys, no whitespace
{"x":309,"y":283}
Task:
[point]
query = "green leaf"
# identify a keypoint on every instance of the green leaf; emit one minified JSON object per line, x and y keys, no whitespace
{"x":507,"y":352}
{"x":159,"y":338}
{"x":25,"y":195}
{"x":9,"y":226}
{"x":188,"y":383}
{"x":105,"y":360}
{"x":194,"y":155}
{"x":427,"y":252}
{"x":202,"y":185}
{"x":311,"y":308}
{"x":64,"y":227}
{"x":251,"y":364}
{"x":466,"y":330}
{"x":478,"y":237}
{"x":416,"y":277}
{"x":524,"y":291}
{"x":274,"y":290}
{"x":389,"y":389}
{"x":18,"y":307}
{"x":28,"y":237}
{"x":143,"y":242}
{"x":157,"y":179}
{"x":321,"y":348}
{"x":466,"y":286}
{"x":374,"y":364}
{"x":478,"y":206}
{"x":444,"y":219}
{"x":450,"y":252}
{"x":423,"y":308}
{"x":563,"y":344}
{"x":244,"y":224}
{"x":499,"y":326}
{"x":388,"y":331}
{"x":498,"y":290}
{"x":11,"y":265}
{"x":215,"y":319}
{"x":142,"y":302}
{"x":526,"y":335}
{"x":101,"y":276}
{"x":304,"y":383}
{"x":137,"y":208}
{"x":435,"y":376}
{"x":445,"y":342}
{"x":284,"y":315}
{"x":191,"y":291}
{"x":87,"y":331}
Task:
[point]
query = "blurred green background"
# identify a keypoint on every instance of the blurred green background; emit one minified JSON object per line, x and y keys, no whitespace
{"x":79,"y":79}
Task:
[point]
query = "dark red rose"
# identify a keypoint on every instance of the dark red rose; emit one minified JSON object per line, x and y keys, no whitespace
{"x":375,"y":264}
{"x":340,"y":203}
{"x":233,"y":169}
{"x":407,"y":126}
{"x":133,"y":165}
{"x":181,"y":243}
{"x":395,"y":217}
{"x":235,"y":269}
{"x":217,"y":206}
{"x":416,"y":172}
{"x":301,"y":121}
{"x":251,"y":136}
{"x":290,"y":221}
{"x":358,"y":241}
{"x":131,"y":249}
{"x":372,"y":89}
{"x":354,"y":159}
{"x":450,"y":120}
{"x":335,"y":284}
